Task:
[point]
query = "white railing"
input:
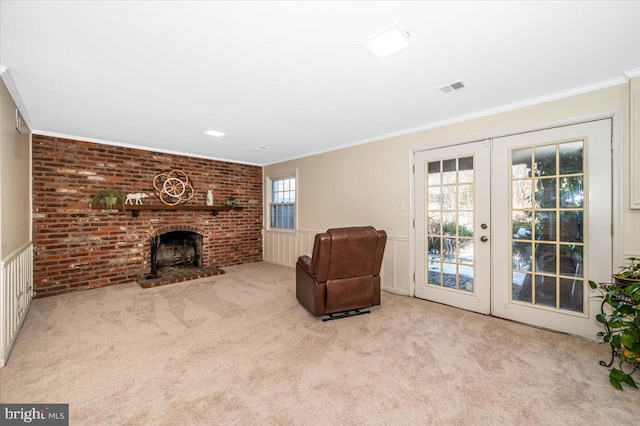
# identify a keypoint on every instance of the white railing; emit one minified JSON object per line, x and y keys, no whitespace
{"x":16,"y":293}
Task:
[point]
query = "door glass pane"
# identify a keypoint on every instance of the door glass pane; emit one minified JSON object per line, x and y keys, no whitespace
{"x":465,"y":170}
{"x":571,"y":192}
{"x":465,"y":278}
{"x":465,"y":251}
{"x":545,"y":291}
{"x":545,"y":160}
{"x":434,"y":198}
{"x":434,"y":248}
{"x":449,"y":197}
{"x":449,"y":275}
{"x":571,"y":226}
{"x":433,"y":173}
{"x":546,"y":226}
{"x":521,"y":255}
{"x":571,"y":157}
{"x":450,"y":223}
{"x":522,"y":193}
{"x":521,"y":163}
{"x":434,"y":223}
{"x":465,"y":224}
{"x":449,"y":171}
{"x":522,"y":225}
{"x":571,"y":260}
{"x":548,"y":271}
{"x":546,"y":258}
{"x":521,"y":287}
{"x":571,"y":294}
{"x":546,"y":193}
{"x":435,"y":269}
{"x":465,"y":197}
{"x":449,"y":249}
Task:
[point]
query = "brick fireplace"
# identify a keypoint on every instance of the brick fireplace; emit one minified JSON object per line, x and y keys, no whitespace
{"x":78,"y":248}
{"x":175,"y":250}
{"x":176,"y":256}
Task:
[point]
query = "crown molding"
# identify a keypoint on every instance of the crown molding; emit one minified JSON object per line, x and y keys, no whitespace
{"x":480,"y":114}
{"x":5,"y":73}
{"x":632,"y":73}
{"x":140,"y":147}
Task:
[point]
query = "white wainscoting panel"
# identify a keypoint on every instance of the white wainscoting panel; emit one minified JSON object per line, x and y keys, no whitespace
{"x":284,"y":248}
{"x":16,"y":293}
{"x":279,"y":247}
{"x":395,"y":274}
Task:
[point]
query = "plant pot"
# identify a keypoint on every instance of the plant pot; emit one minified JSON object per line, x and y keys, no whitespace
{"x":110,"y":201}
{"x":626,"y":353}
{"x":624,"y":281}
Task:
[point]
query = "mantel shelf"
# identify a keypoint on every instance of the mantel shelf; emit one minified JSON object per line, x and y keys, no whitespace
{"x":136,"y":209}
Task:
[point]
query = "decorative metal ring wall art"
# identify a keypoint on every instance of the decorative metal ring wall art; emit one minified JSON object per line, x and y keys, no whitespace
{"x":173,"y":187}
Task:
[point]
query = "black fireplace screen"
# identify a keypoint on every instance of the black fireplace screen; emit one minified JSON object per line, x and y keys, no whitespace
{"x":175,"y":250}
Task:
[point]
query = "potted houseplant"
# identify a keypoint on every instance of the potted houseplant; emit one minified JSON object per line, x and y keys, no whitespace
{"x":622,"y":329}
{"x":109,"y":198}
{"x":230,"y":202}
{"x":628,"y":274}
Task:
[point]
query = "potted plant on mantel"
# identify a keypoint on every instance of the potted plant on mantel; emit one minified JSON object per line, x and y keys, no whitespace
{"x":622,"y":324}
{"x":109,"y":198}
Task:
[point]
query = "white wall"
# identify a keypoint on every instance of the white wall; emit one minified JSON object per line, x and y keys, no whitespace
{"x":368,"y":184}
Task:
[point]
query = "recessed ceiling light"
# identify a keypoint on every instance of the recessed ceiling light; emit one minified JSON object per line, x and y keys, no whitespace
{"x":262,"y":147}
{"x":387,"y":42}
{"x":214,"y":133}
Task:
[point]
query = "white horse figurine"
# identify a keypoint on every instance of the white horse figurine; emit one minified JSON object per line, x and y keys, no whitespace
{"x":135,"y":197}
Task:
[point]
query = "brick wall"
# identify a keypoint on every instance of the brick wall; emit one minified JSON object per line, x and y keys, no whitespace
{"x":78,"y":248}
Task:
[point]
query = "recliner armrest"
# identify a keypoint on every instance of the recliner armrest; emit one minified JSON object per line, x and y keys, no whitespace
{"x":305,"y":262}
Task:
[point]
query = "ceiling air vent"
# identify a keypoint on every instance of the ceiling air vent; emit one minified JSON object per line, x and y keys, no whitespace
{"x":452,"y":87}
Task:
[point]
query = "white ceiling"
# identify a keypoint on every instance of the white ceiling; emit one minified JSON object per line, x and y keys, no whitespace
{"x":291,"y":75}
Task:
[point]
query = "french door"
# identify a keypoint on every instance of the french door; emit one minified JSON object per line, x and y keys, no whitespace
{"x":527,"y":222}
{"x":552,"y":190}
{"x":453,"y":253}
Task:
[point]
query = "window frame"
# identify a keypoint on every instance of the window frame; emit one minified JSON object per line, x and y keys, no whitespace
{"x":269,"y":193}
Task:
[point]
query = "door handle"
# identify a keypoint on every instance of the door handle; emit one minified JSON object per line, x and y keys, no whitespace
{"x":483,"y":226}
{"x":484,"y":239}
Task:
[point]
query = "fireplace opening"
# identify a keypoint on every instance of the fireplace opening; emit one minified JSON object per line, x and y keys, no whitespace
{"x":175,"y":250}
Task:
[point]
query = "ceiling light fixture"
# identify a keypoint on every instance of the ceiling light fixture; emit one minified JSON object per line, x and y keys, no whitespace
{"x":214,"y":133}
{"x":388,"y":42}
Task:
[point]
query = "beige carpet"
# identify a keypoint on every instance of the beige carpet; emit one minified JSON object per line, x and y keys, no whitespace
{"x":239,"y":349}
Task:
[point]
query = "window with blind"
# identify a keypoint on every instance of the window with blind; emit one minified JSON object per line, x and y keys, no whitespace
{"x":283,"y":203}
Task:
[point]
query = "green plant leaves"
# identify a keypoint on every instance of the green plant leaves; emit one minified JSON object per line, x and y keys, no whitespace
{"x":622,"y":329}
{"x":628,"y":339}
{"x":617,"y":377}
{"x":615,"y":382}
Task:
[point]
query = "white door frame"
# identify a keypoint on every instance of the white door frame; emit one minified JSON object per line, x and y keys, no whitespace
{"x":618,"y":164}
{"x":478,"y":299}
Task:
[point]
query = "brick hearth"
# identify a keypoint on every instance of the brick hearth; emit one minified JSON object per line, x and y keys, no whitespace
{"x":178,"y":276}
{"x":78,"y":248}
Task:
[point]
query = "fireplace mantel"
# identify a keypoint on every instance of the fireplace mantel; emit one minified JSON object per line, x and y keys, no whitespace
{"x":136,"y":209}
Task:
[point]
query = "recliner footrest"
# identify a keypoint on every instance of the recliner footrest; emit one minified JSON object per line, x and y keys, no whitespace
{"x":345,"y":314}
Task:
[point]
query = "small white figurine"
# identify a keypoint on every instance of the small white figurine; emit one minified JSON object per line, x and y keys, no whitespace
{"x":137,"y":197}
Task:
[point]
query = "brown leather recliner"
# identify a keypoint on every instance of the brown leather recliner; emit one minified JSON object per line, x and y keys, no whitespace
{"x":343,"y":273}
